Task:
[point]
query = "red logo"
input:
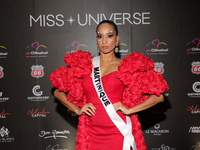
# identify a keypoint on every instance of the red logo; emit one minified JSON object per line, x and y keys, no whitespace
{"x":195,"y":67}
{"x":1,"y":72}
{"x":37,"y":71}
{"x":159,"y":67}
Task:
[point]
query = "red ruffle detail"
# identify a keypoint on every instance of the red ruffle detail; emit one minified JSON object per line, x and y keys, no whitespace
{"x":59,"y":78}
{"x":136,"y":71}
{"x":69,"y":78}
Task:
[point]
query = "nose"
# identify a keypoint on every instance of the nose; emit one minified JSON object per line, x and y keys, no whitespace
{"x":104,"y":40}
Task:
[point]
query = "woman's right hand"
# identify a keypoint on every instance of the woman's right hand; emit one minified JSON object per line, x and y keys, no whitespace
{"x":87,"y":109}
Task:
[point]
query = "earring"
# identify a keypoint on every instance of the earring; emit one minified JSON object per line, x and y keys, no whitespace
{"x":116,"y":48}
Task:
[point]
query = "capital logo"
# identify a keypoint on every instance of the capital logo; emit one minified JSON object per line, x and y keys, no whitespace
{"x":195,"y":67}
{"x":157,"y":47}
{"x":1,"y":72}
{"x":193,"y":47}
{"x":34,"y":50}
{"x":159,"y":67}
{"x":37,"y":71}
{"x":3,"y":114}
{"x":37,"y":113}
{"x":194,"y":109}
{"x":75,"y":46}
{"x":36,"y":91}
{"x":196,"y":146}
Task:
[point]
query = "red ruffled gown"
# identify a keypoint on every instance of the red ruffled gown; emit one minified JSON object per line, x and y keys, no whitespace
{"x":136,"y":73}
{"x":103,"y":134}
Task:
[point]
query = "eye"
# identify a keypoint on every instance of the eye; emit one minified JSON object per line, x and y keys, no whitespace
{"x":99,"y":37}
{"x":110,"y":36}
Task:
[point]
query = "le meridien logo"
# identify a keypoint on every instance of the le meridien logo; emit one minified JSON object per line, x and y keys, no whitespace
{"x":59,"y":20}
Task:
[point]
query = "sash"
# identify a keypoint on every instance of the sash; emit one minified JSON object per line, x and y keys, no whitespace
{"x":125,"y":129}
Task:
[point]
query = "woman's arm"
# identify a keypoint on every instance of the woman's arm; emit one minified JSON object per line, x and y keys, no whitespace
{"x":88,"y":108}
{"x":149,"y":102}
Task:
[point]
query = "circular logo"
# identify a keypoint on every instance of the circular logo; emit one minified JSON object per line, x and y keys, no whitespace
{"x":196,"y":86}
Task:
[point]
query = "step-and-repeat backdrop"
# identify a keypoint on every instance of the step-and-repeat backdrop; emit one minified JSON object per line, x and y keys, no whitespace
{"x":35,"y":36}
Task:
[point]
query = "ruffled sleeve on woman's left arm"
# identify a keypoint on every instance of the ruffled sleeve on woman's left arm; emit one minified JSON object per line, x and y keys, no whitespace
{"x":152,"y":82}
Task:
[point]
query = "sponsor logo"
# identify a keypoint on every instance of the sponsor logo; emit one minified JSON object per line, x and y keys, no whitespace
{"x":193,"y":47}
{"x":36,"y":113}
{"x":3,"y":99}
{"x":196,"y":88}
{"x":194,"y":129}
{"x":74,"y":46}
{"x":4,"y":135}
{"x":37,"y":71}
{"x":195,"y":67}
{"x":3,"y":114}
{"x":54,"y":134}
{"x":156,"y":47}
{"x":196,"y":146}
{"x":163,"y":147}
{"x":194,"y":109}
{"x":1,"y":72}
{"x":55,"y":147}
{"x":59,"y":20}
{"x":123,"y":49}
{"x":3,"y":54}
{"x":159,"y":67}
{"x":157,"y":130}
{"x":36,"y":50}
{"x":38,"y":94}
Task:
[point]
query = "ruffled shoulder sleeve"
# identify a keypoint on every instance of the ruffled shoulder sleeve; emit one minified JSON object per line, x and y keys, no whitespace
{"x":137,"y":73}
{"x":68,"y":78}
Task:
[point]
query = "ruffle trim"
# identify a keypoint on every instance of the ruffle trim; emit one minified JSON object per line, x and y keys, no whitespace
{"x":137,"y":72}
{"x":69,"y":78}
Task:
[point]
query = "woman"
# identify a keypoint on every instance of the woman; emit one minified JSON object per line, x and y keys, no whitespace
{"x":107,"y":92}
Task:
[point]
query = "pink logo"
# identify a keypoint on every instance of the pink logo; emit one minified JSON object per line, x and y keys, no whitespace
{"x":36,"y":46}
{"x":156,"y":47}
{"x":196,"y":43}
{"x":76,"y":45}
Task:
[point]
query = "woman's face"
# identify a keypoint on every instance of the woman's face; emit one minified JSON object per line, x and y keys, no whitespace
{"x":106,"y":38}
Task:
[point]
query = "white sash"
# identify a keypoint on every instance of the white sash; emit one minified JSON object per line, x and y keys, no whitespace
{"x":125,"y":129}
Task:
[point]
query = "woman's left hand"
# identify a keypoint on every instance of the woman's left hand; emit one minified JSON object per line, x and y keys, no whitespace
{"x":119,"y":106}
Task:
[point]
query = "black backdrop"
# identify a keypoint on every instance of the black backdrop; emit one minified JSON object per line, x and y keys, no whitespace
{"x":35,"y":36}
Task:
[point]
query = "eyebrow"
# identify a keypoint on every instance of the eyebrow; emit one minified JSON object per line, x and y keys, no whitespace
{"x":111,"y":32}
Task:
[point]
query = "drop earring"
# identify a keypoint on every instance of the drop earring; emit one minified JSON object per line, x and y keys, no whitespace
{"x":116,"y":48}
